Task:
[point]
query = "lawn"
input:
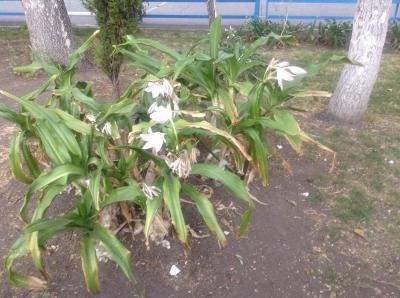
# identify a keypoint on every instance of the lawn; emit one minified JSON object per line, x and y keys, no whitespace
{"x":321,"y":235}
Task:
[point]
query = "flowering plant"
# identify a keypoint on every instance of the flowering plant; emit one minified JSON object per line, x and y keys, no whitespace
{"x":195,"y":115}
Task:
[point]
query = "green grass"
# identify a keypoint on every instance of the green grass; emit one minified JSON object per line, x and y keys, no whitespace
{"x":354,"y":207}
{"x":13,"y":33}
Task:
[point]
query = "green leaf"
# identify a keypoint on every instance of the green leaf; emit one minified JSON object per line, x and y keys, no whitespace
{"x":18,"y":250}
{"x":215,"y":37}
{"x":182,"y":124}
{"x":31,"y":162}
{"x":53,"y":147}
{"x":154,"y":44}
{"x":30,"y":69}
{"x":118,"y":252}
{"x":228,"y":179}
{"x":43,"y":88}
{"x":151,"y":211}
{"x":54,"y":127}
{"x":12,"y":116}
{"x":89,"y":264}
{"x":76,"y":55}
{"x":206,"y":210}
{"x":259,"y":153}
{"x":88,"y":101}
{"x":94,"y":187}
{"x":285,"y":122}
{"x":33,"y":240}
{"x":130,"y":193}
{"x":75,"y":124}
{"x":16,"y":161}
{"x":180,"y":65}
{"x":171,"y":190}
{"x":59,"y":172}
{"x":50,"y":226}
{"x":244,"y":224}
{"x":46,"y":179}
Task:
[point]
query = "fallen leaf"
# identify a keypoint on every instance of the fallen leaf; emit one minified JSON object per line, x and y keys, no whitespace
{"x":359,"y":232}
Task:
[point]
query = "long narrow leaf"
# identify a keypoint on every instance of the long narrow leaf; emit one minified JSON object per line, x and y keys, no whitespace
{"x":206,"y":209}
{"x":171,"y":190}
{"x":182,"y":124}
{"x":129,"y":193}
{"x":18,"y":250}
{"x":118,"y":252}
{"x":16,"y":161}
{"x":215,"y":37}
{"x":44,"y":180}
{"x":89,"y":264}
{"x":228,"y":179}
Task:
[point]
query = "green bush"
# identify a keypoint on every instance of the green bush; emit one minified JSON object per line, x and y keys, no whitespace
{"x":393,"y":39}
{"x":115,"y":18}
{"x":192,"y":114}
{"x":329,"y":33}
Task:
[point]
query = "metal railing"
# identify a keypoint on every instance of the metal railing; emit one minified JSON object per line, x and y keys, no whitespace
{"x":257,"y":12}
{"x":319,"y":17}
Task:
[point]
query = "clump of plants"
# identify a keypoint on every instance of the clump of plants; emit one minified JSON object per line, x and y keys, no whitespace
{"x":393,"y":38}
{"x":328,"y":33}
{"x":191,"y":114}
{"x":256,"y":28}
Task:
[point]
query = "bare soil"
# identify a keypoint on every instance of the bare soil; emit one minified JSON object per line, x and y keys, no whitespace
{"x":284,"y":254}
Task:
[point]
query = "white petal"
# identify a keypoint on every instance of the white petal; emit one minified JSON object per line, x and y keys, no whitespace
{"x":282,"y":64}
{"x":167,"y":88}
{"x":284,"y":75}
{"x":153,"y":140}
{"x":296,"y":70}
{"x":152,"y":108}
{"x":162,"y":114}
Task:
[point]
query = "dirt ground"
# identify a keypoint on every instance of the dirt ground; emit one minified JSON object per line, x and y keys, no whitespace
{"x":285,"y":254}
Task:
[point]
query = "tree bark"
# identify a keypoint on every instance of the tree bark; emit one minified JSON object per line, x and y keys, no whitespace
{"x":50,"y":29}
{"x":353,"y":91}
{"x":212,"y":11}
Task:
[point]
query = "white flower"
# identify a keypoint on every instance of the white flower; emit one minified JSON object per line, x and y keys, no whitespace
{"x":153,"y":140}
{"x":284,"y":72}
{"x":180,"y":165}
{"x":160,"y":114}
{"x":91,"y":118}
{"x":151,"y":191}
{"x":106,"y":128}
{"x":158,"y":88}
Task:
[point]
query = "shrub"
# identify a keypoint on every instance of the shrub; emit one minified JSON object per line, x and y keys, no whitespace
{"x":192,"y":114}
{"x":329,"y":33}
{"x":115,"y":18}
{"x":334,"y":34}
{"x":393,"y":39}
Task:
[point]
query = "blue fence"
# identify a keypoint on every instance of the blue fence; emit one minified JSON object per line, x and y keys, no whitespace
{"x":257,"y":13}
{"x":320,"y":17}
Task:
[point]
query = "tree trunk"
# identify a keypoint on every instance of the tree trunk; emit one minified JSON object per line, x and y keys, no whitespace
{"x":351,"y":97}
{"x":212,"y":11}
{"x":50,"y":29}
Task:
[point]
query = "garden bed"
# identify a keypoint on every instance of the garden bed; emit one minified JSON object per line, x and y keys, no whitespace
{"x":341,"y":239}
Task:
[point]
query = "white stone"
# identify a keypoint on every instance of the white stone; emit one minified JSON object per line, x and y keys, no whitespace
{"x":174,"y":270}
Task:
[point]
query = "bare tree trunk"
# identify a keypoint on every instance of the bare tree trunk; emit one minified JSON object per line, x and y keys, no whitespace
{"x":351,"y":97}
{"x":212,"y":11}
{"x":50,"y":29}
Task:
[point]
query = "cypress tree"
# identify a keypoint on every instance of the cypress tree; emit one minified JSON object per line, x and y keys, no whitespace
{"x":115,"y":18}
